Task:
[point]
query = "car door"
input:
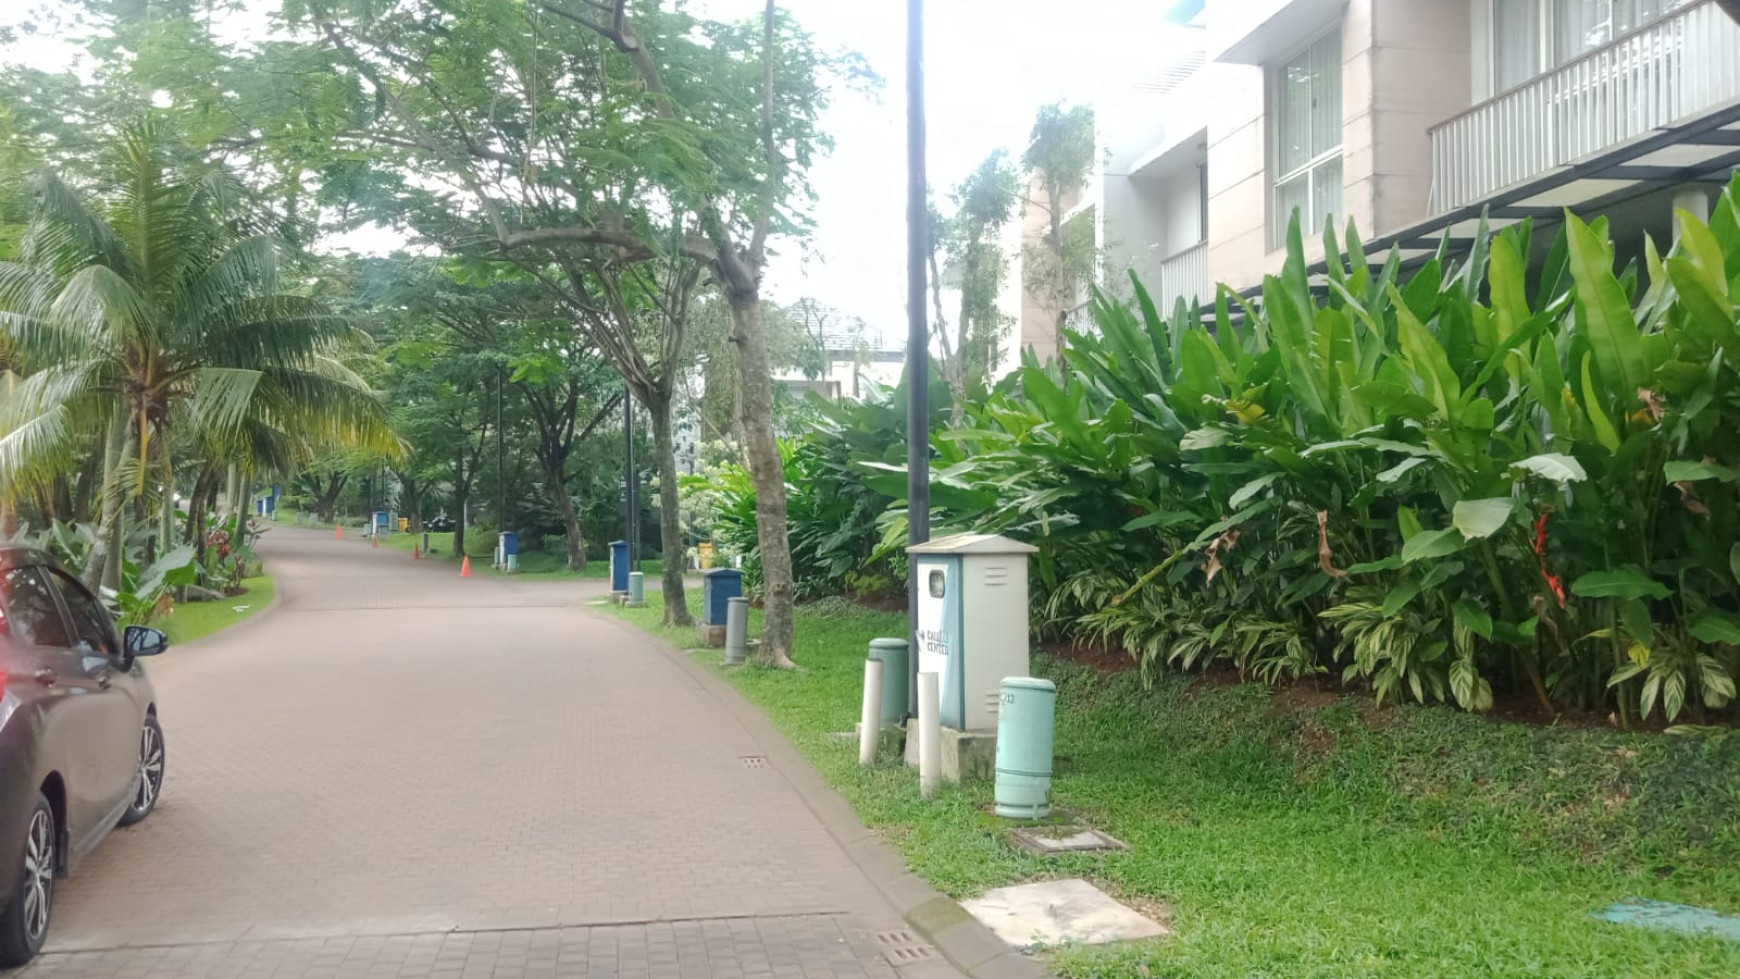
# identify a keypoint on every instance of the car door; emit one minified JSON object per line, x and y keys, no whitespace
{"x":98,"y":648}
{"x":75,"y":726}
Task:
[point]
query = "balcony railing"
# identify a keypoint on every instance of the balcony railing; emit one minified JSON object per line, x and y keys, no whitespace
{"x":1677,"y":67}
{"x":1184,"y":275}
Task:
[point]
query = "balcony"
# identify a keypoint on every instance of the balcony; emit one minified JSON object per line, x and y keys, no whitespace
{"x":1184,"y":275}
{"x":1669,"y":71}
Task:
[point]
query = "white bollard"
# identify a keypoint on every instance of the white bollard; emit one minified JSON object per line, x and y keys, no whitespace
{"x":929,"y":736}
{"x":870,"y":719}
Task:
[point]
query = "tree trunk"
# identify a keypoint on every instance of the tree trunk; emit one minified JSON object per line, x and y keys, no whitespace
{"x":670,"y":517}
{"x":767,"y":472}
{"x":88,"y":475}
{"x":59,"y":503}
{"x":232,"y":490}
{"x":414,"y":491}
{"x":106,"y":556}
{"x":556,"y":485}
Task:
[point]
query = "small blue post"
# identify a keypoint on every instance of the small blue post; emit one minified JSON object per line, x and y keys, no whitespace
{"x":619,"y":566}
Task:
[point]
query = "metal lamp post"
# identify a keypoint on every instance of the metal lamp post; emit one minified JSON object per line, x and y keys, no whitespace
{"x":917,"y":328}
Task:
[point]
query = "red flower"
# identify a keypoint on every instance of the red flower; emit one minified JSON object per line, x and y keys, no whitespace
{"x":1553,"y":583}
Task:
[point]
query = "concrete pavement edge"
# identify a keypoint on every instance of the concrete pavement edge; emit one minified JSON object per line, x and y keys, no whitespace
{"x":965,"y":941}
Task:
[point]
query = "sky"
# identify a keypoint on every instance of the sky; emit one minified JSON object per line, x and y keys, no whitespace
{"x":990,"y":64}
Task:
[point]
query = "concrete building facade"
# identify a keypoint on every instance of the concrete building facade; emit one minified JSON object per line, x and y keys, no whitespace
{"x":1412,"y":119}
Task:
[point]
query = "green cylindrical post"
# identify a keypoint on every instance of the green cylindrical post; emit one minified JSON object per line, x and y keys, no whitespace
{"x":1025,"y":719}
{"x":895,"y":681}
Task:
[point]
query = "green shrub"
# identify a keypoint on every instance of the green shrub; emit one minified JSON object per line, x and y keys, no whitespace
{"x":1474,"y":480}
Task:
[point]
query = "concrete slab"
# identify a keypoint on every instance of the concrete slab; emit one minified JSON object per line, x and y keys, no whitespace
{"x":1065,"y":839}
{"x":1057,"y":912}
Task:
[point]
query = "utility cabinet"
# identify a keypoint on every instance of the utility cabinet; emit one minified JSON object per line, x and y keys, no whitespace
{"x":972,"y":622}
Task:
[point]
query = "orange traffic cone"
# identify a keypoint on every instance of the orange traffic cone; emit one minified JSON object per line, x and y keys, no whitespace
{"x":375,"y":540}
{"x":416,"y":555}
{"x":465,"y":567}
{"x":338,"y":531}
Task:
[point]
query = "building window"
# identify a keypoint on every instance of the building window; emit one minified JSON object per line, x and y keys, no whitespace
{"x":1532,"y":37}
{"x":1308,"y":137}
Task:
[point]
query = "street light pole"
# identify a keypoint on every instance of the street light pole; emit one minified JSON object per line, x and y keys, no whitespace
{"x":631,"y":485}
{"x":917,"y":329}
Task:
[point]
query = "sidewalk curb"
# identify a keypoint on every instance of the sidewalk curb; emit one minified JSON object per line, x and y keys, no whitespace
{"x":970,"y":946}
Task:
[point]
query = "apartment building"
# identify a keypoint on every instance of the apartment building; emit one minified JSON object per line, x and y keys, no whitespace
{"x":1412,"y":118}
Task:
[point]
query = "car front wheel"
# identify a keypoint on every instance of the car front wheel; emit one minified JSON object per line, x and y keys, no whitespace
{"x":150,"y":773}
{"x":24,"y":924}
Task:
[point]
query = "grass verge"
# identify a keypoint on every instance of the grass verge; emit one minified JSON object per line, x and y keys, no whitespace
{"x":1298,"y":836}
{"x":534,"y":565}
{"x":193,"y":620}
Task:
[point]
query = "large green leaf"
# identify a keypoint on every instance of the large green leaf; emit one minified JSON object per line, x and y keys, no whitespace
{"x":1604,"y":314}
{"x":1626,"y":582}
{"x":1716,"y":627}
{"x":1400,"y":469}
{"x":1605,"y":433}
{"x":1473,"y":618}
{"x":1244,"y":494}
{"x":1691,"y":472}
{"x":1709,"y":311}
{"x":1432,"y":543}
{"x":1556,"y":466}
{"x":1481,"y":518}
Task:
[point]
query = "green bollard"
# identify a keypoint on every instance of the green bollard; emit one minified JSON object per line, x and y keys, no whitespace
{"x":1025,"y":718}
{"x":896,"y":678}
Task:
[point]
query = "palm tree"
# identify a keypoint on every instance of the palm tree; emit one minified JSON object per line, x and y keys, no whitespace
{"x":164,"y":308}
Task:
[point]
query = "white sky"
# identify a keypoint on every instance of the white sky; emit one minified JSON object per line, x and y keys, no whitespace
{"x":989,"y":65}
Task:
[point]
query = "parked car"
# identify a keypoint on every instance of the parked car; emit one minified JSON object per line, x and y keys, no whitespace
{"x":439,"y":525}
{"x":80,"y":747}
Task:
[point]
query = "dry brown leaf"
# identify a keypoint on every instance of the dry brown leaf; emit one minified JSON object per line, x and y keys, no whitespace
{"x":1326,"y":557}
{"x":1216,"y":548}
{"x":1689,"y":497}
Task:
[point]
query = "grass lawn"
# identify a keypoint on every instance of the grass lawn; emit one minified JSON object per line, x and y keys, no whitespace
{"x":534,"y":565}
{"x":1299,"y":835}
{"x":191,"y":620}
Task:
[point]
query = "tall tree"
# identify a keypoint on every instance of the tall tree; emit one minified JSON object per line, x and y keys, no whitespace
{"x":977,"y":266}
{"x":590,"y":136}
{"x":162,"y":307}
{"x":1057,"y":163}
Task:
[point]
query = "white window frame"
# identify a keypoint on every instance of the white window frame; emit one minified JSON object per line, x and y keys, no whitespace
{"x":1278,"y":221}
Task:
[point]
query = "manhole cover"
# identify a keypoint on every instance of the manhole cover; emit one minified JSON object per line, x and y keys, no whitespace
{"x":902,"y":947}
{"x":1065,"y":839}
{"x":752,"y":761}
{"x":1057,"y":912}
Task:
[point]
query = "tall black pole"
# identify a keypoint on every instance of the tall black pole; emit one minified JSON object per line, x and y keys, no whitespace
{"x":917,"y":329}
{"x":631,"y":485}
{"x":500,"y":455}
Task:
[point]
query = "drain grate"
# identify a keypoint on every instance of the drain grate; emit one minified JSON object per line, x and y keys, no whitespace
{"x":904,"y":947}
{"x":752,"y":761}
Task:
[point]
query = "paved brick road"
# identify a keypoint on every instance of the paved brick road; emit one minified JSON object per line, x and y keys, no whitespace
{"x":399,"y":773}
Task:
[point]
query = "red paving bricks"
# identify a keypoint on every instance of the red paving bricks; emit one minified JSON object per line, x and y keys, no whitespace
{"x":401,"y":773}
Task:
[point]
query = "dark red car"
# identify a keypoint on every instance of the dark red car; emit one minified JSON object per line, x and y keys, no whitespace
{"x":80,"y":748}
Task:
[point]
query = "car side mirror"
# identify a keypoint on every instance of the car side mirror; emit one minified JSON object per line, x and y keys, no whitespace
{"x":144,"y":641}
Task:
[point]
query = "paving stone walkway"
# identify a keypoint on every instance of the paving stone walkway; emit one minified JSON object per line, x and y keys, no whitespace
{"x":400,"y":773}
